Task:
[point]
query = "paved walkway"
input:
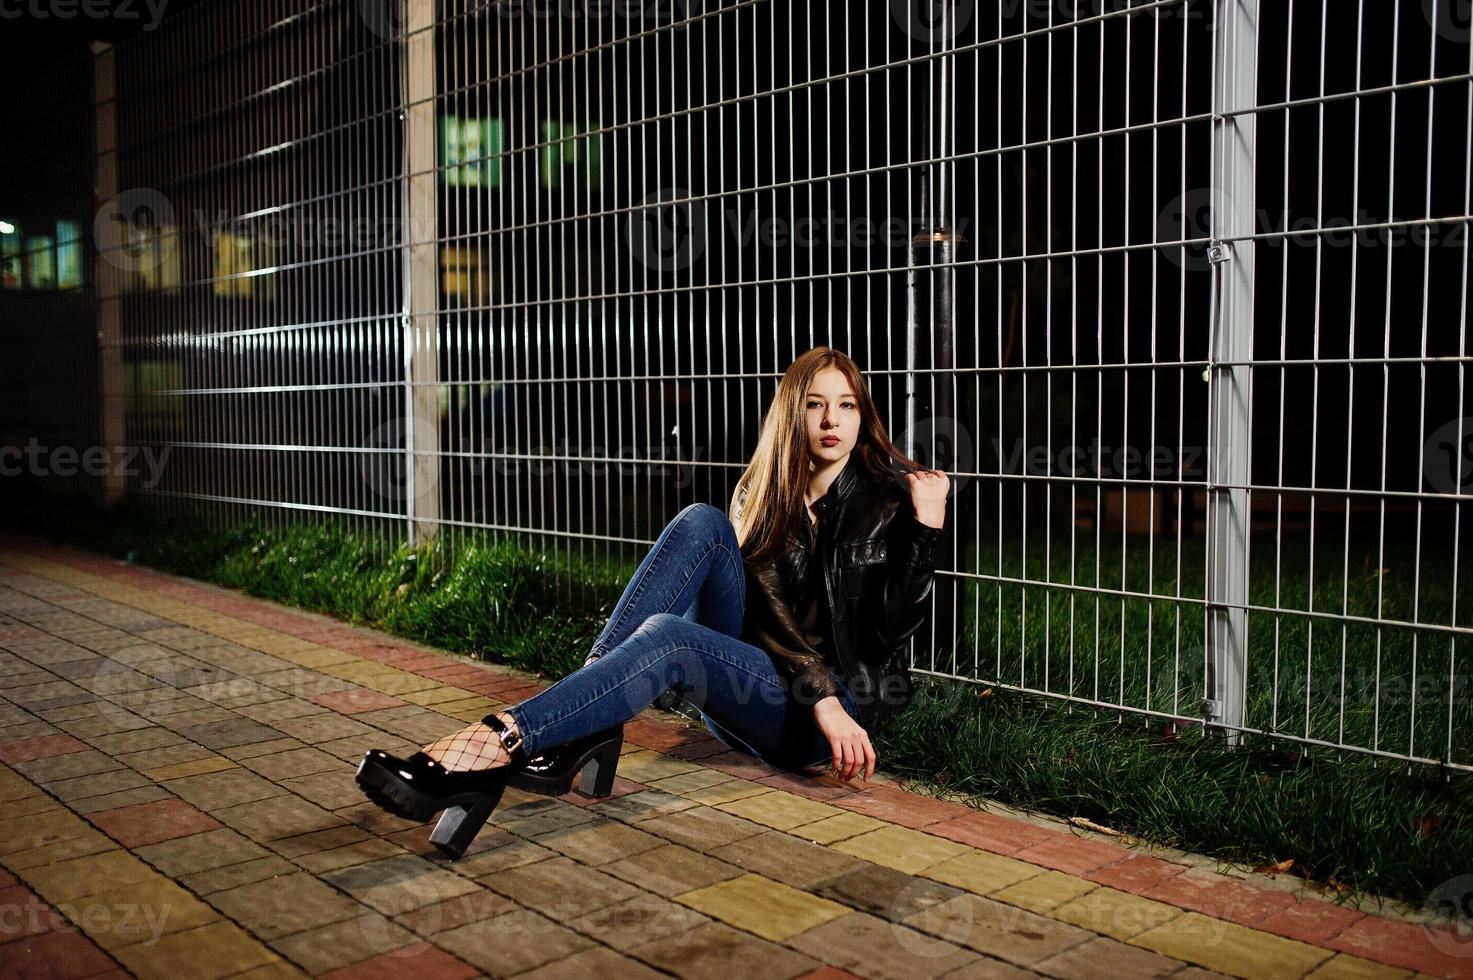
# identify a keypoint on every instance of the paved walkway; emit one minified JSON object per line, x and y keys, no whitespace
{"x":176,"y":771}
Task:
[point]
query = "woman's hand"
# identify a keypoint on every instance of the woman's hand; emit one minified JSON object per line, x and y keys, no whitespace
{"x":848,"y":741}
{"x":929,"y":491}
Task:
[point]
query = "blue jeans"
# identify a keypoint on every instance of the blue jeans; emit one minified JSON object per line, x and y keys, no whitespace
{"x":678,"y":626}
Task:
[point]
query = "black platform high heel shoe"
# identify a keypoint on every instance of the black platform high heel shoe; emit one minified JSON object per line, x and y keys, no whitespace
{"x":416,"y":787}
{"x":595,"y":756}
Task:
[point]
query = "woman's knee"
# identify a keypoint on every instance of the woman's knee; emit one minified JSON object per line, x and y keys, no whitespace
{"x":708,"y":519}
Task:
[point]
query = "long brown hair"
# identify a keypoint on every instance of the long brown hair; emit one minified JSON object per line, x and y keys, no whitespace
{"x":764,"y":506}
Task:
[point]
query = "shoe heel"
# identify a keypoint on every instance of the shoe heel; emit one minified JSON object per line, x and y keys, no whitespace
{"x":459,"y":826}
{"x":598,"y":774}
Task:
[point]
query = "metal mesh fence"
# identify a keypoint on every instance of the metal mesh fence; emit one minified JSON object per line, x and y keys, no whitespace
{"x":1175,"y":291}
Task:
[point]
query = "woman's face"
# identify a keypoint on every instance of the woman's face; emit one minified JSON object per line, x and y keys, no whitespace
{"x":832,"y":417}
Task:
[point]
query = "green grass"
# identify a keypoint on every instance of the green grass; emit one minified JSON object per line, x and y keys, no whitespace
{"x":1365,"y":824}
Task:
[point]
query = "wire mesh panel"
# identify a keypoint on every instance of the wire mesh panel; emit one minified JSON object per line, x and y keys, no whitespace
{"x":258,"y":247}
{"x":1145,"y":278}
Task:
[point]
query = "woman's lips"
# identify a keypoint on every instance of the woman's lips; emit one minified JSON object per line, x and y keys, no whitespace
{"x":830,"y":440}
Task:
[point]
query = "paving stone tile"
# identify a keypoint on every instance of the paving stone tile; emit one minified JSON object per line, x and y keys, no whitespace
{"x":1343,"y":966}
{"x":512,"y":943}
{"x":1072,"y":853}
{"x":1136,"y":873}
{"x":900,"y":848}
{"x":832,"y":829}
{"x":873,"y":947}
{"x":229,"y":787}
{"x":733,"y":789}
{"x":54,"y":954}
{"x":643,"y":804}
{"x":718,"y":952}
{"x":1402,"y":944}
{"x":33,"y":728}
{"x":671,"y":869}
{"x":762,"y":906}
{"x":282,"y":816}
{"x":201,"y":852}
{"x":123,"y":797}
{"x":595,"y":962}
{"x":779,"y":810}
{"x":701,"y":828}
{"x":1219,"y":897}
{"x":65,"y":881}
{"x":149,"y":823}
{"x":253,"y":750}
{"x":354,"y":700}
{"x":558,"y":887}
{"x":990,"y":831}
{"x":997,"y":929}
{"x":599,"y":841}
{"x":884,"y":892}
{"x":493,"y":851}
{"x":324,"y":727}
{"x":321,"y":840}
{"x":135,"y":740}
{"x":419,"y":959}
{"x":24,"y":831}
{"x":330,"y":790}
{"x":399,"y":884}
{"x":1045,"y":892}
{"x":1230,"y":948}
{"x":25,"y":914}
{"x":109,"y":724}
{"x":787,"y":859}
{"x":1310,"y":921}
{"x":981,"y":871}
{"x":271,"y":712}
{"x":884,"y":802}
{"x":428,"y":920}
{"x":235,"y":731}
{"x":1107,"y":957}
{"x":208,"y":952}
{"x":277,"y":907}
{"x":637,"y":920}
{"x":97,"y":784}
{"x":685,"y":782}
{"x":165,"y":756}
{"x":352,"y":748}
{"x":1115,"y":913}
{"x":140,"y":912}
{"x":54,"y":768}
{"x":304,"y":761}
{"x":234,"y":875}
{"x":823,"y":787}
{"x":195,"y":767}
{"x":91,"y":842}
{"x":646,"y":766}
{"x":559,"y":816}
{"x":373,"y":849}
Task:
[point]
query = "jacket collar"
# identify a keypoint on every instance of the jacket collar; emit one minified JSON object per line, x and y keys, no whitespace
{"x":843,"y":484}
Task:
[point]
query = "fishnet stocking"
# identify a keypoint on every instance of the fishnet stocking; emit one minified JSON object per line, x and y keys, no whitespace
{"x":476,"y":746}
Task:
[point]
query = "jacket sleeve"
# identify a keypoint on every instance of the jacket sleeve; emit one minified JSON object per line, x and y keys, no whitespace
{"x":769,"y":623}
{"x":909,"y":573}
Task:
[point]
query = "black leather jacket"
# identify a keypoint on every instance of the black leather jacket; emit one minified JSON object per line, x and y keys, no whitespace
{"x":878,"y":566}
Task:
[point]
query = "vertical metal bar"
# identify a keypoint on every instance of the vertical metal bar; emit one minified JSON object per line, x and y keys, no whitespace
{"x":108,"y":273}
{"x":421,"y":291}
{"x":1229,"y":393}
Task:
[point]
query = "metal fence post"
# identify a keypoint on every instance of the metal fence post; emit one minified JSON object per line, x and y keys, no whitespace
{"x":420,"y":236}
{"x":108,"y":276}
{"x":1230,"y":430}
